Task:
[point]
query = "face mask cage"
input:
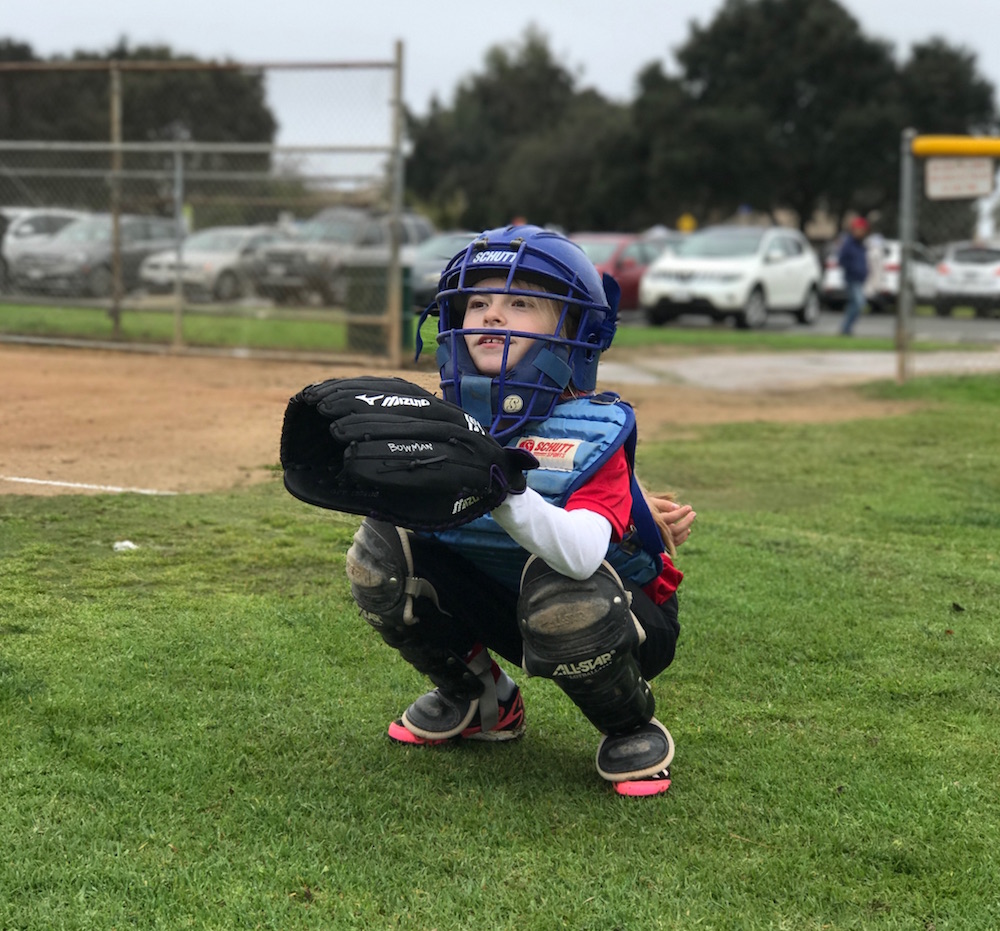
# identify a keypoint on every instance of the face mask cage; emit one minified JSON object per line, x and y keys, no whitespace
{"x":508,"y":402}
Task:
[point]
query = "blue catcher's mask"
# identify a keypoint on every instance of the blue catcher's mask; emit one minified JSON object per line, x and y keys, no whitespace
{"x":529,"y":390}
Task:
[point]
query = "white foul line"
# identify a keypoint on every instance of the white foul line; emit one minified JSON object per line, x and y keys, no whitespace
{"x":114,"y":488}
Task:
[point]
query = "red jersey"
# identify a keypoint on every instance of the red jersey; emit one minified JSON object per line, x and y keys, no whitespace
{"x":609,"y":493}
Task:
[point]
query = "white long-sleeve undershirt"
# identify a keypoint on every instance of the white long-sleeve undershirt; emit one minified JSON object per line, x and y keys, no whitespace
{"x":571,"y":542}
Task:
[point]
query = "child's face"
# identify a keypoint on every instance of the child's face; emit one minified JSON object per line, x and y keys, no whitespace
{"x":505,"y":312}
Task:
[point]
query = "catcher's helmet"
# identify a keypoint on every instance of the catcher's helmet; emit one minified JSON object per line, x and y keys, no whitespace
{"x":530,"y":389}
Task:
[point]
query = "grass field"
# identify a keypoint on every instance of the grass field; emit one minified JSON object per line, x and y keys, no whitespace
{"x":283,"y":330}
{"x":158,"y":327}
{"x":195,"y":729}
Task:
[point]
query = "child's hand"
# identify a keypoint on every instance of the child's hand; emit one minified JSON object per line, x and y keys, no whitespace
{"x":678,"y":517}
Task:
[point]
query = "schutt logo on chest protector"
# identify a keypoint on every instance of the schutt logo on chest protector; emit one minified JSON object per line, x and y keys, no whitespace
{"x":557,"y":455}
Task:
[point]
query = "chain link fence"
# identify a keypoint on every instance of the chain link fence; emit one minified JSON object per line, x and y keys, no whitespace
{"x":242,"y":244}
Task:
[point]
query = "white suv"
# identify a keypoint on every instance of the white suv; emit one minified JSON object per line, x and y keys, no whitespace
{"x":743,"y":272}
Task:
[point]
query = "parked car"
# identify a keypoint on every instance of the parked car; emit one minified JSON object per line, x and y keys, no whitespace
{"x":663,"y":237}
{"x":315,"y":261}
{"x":77,"y":260}
{"x":220,"y":263}
{"x":24,"y":228}
{"x":968,"y":275}
{"x":832,"y":291}
{"x":624,"y":256}
{"x":429,"y":260}
{"x":882,"y":288}
{"x":738,"y":272}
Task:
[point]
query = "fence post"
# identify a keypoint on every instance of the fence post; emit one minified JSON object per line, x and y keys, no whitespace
{"x":904,"y":304}
{"x":179,"y":240}
{"x":116,"y":197}
{"x":394,"y":307}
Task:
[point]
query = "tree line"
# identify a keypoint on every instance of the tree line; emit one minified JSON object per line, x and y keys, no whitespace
{"x":778,"y":105}
{"x":774,"y":105}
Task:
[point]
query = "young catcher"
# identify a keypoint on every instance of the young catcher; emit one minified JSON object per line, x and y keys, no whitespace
{"x":569,"y":578}
{"x":506,"y":516}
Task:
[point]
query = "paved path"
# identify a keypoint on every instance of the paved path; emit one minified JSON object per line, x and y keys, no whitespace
{"x":789,"y":370}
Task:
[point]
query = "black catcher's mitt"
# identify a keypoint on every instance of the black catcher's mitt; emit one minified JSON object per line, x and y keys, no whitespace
{"x":388,"y":449}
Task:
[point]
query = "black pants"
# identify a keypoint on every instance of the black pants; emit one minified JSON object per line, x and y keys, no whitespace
{"x":475,"y":608}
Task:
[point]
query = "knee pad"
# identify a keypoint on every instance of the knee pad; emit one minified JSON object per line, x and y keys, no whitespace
{"x":582,"y":635}
{"x":380,"y":570}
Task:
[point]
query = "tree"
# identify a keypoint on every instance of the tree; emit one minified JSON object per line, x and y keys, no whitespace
{"x":202,"y":105}
{"x":210,"y":105}
{"x":698,"y":160}
{"x":786,"y":104}
{"x":579,"y":172}
{"x":817,"y":99}
{"x":943,"y":93}
{"x":778,"y":104}
{"x":459,"y":153}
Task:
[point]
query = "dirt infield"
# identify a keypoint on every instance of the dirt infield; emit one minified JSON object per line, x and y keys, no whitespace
{"x":82,"y":421}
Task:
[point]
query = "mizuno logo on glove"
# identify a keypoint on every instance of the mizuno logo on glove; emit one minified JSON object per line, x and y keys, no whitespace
{"x":392,"y":400}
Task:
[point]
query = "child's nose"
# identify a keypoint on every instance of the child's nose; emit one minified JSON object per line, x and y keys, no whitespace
{"x":494,"y":313}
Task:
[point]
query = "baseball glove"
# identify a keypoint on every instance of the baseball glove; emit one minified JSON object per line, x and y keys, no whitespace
{"x":388,"y":449}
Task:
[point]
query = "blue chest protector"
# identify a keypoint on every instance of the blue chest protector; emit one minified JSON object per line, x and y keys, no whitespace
{"x":576,"y":440}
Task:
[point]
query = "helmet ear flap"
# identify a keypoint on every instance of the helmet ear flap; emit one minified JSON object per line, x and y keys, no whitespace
{"x":613,"y":292}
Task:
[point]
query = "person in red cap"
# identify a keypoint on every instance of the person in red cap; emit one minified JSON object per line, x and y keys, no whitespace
{"x":853,"y":259}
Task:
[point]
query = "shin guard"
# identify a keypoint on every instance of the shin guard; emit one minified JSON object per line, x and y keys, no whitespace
{"x":582,"y":635}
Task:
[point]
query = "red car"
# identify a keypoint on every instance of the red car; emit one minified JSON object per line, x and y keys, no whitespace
{"x":624,"y":256}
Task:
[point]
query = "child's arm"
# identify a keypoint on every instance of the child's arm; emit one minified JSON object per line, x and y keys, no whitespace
{"x":571,"y":542}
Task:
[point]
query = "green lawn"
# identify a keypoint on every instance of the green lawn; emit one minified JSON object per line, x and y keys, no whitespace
{"x":195,"y":730}
{"x":158,"y":327}
{"x":313,"y":331}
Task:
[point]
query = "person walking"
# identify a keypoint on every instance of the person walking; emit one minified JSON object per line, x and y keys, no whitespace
{"x":853,"y":259}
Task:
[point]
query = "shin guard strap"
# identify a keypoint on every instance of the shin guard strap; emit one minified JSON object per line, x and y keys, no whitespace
{"x":481,"y":665}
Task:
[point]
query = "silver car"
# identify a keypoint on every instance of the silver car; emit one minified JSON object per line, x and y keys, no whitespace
{"x":24,"y":228}
{"x":221,"y":263}
{"x":968,"y":275}
{"x":337,"y":238}
{"x":77,"y":260}
{"x":429,"y":260}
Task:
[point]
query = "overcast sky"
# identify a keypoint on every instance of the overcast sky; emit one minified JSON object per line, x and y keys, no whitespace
{"x":604,"y":44}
